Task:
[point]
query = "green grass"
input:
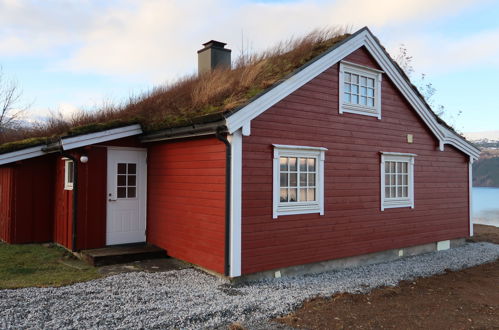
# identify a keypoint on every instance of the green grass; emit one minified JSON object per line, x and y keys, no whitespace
{"x":41,"y":266}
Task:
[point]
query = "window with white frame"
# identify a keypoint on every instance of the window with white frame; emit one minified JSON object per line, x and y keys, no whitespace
{"x":298,"y":180}
{"x":360,"y":89}
{"x":397,"y":180}
{"x":68,"y":174}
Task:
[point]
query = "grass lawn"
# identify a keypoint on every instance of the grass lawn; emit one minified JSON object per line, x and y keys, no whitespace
{"x":41,"y":265}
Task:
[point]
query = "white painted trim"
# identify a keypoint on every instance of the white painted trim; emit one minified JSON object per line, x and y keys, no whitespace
{"x":290,"y":147}
{"x":362,"y":67}
{"x":470,"y":190}
{"x":298,"y":207}
{"x":236,"y":142}
{"x":397,"y":154}
{"x":68,"y":185}
{"x":247,"y":129}
{"x":15,"y":156}
{"x":365,"y":71}
{"x":99,"y":137}
{"x":404,"y":157}
{"x":363,"y":38}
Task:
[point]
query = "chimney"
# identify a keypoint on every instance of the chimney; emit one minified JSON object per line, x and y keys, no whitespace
{"x":213,"y":55}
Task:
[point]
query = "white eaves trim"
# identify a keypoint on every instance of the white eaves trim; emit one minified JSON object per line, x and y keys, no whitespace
{"x":73,"y":142}
{"x":21,"y":154}
{"x":99,"y":137}
{"x":365,"y":38}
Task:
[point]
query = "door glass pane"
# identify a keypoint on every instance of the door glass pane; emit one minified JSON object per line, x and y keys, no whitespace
{"x":121,"y":168}
{"x":121,"y":180}
{"x":132,"y":179}
{"x":121,"y":192}
{"x":132,"y":169}
{"x":131,"y":192}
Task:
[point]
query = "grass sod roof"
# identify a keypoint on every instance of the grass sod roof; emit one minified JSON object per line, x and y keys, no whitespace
{"x":192,"y":99}
{"x":196,"y":99}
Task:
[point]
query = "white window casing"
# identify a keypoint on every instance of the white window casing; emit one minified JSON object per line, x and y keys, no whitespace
{"x":397,"y":180}
{"x":68,"y":174}
{"x":359,"y":89}
{"x":303,"y":185}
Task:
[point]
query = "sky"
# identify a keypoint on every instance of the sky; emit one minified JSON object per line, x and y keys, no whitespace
{"x":72,"y":55}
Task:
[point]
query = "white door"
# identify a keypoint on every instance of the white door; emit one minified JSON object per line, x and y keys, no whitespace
{"x":126,"y":196}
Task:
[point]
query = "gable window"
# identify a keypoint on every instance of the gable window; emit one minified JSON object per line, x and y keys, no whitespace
{"x":68,"y":174}
{"x":397,"y":180}
{"x":298,"y":180}
{"x":360,"y":89}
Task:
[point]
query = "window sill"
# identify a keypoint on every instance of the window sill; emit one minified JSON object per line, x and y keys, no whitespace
{"x":360,"y":110}
{"x":290,"y":210}
{"x":397,"y":204}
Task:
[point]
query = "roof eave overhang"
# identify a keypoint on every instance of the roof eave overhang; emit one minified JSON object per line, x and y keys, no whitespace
{"x":71,"y":142}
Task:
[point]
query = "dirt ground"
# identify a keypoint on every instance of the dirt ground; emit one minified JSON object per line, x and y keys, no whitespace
{"x":467,"y":299}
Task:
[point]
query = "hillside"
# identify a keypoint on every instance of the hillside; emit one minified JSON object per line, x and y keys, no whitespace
{"x":486,"y":168}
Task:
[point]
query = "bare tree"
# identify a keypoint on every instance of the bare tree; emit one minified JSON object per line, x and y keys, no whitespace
{"x":426,"y":88}
{"x":10,"y":107}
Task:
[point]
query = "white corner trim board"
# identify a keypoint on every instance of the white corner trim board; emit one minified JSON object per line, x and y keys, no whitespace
{"x":236,"y":142}
{"x":470,"y":201}
{"x":99,"y":137}
{"x":363,"y":38}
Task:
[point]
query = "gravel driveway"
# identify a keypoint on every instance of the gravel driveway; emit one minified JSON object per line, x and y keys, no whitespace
{"x":192,"y":299}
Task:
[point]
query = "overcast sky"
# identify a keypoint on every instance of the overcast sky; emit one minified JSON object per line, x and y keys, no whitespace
{"x":68,"y":55}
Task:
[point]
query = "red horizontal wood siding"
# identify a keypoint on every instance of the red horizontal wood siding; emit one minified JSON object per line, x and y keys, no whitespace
{"x":353,"y":223}
{"x":186,"y":200}
{"x":6,"y":201}
{"x":91,"y":208}
{"x":32,"y":194}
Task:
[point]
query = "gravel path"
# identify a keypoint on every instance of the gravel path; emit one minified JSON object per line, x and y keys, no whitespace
{"x":192,"y":299}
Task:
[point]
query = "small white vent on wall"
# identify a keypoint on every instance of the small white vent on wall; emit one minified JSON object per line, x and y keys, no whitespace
{"x":443,"y":245}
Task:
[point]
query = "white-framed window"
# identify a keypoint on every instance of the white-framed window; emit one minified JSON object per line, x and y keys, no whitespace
{"x":68,"y":174}
{"x":298,"y":180}
{"x":360,"y":89}
{"x":397,"y":180}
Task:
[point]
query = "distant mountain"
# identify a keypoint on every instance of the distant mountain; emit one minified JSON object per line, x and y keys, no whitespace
{"x":486,"y":168}
{"x":482,"y":136}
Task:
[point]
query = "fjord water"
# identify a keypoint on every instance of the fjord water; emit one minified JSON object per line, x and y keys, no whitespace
{"x":485,"y":205}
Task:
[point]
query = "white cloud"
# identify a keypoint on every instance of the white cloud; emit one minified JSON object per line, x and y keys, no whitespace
{"x":441,"y":54}
{"x":157,"y":39}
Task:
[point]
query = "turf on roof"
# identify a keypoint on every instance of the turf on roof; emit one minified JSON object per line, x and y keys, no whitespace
{"x":194,"y":98}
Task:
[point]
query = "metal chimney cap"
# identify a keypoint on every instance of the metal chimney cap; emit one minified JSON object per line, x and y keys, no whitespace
{"x":214,"y":44}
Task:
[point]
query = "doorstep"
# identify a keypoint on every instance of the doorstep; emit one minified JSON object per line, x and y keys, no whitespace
{"x":119,"y":254}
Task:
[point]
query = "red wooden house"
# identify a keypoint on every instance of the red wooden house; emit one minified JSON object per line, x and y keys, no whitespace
{"x":342,"y":158}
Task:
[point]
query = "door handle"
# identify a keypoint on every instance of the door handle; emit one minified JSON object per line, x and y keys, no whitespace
{"x":112,"y":200}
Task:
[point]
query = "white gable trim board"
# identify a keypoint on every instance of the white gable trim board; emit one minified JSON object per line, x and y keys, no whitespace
{"x":69,"y":143}
{"x":243,"y":117}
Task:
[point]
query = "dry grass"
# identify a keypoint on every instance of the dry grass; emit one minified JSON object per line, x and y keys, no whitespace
{"x":193,"y":97}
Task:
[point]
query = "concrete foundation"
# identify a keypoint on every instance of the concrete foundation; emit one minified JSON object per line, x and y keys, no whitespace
{"x":349,"y":262}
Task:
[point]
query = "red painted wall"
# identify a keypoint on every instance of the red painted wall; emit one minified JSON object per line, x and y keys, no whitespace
{"x":27,"y":197}
{"x":92,"y":185}
{"x":6,"y":175}
{"x":186,"y":200}
{"x":353,"y":223}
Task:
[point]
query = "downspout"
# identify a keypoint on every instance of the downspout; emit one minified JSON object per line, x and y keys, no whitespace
{"x":228,"y":171}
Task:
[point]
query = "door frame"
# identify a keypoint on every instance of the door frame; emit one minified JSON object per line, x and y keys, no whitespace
{"x":109,"y":182}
